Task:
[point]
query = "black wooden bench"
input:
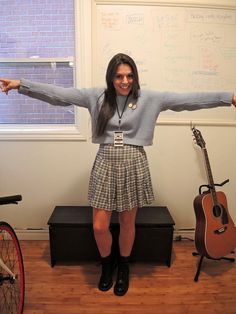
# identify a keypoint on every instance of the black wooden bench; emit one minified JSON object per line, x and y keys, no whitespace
{"x":72,"y":239}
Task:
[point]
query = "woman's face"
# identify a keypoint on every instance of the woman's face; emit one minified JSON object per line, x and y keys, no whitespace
{"x":123,"y":80}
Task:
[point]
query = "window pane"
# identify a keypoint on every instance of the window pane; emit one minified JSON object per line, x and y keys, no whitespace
{"x":16,"y":108}
{"x":43,"y":28}
{"x":36,"y":29}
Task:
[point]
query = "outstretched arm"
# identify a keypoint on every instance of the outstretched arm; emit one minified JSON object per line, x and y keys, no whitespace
{"x":53,"y":94}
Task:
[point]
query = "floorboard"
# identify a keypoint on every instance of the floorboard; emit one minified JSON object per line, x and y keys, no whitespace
{"x":153,"y":288}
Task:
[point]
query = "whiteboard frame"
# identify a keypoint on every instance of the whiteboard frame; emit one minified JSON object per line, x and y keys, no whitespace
{"x":217,"y":4}
{"x":86,"y":57}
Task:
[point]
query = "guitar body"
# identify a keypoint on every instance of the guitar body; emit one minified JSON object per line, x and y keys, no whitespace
{"x":215,"y":234}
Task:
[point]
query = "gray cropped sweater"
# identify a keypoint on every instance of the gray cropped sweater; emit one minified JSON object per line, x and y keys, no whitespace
{"x":137,"y":124}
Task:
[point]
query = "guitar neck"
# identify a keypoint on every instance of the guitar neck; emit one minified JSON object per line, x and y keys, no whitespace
{"x":209,"y":176}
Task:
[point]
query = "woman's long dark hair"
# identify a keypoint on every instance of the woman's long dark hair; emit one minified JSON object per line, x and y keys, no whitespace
{"x":108,"y":107}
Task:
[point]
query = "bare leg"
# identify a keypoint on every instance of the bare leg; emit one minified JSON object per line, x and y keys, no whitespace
{"x":102,"y":234}
{"x":127,"y":231}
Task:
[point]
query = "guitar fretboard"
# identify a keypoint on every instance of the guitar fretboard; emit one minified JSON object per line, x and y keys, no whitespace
{"x":210,"y":176}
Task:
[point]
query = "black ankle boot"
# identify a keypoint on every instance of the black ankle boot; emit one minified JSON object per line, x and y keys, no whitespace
{"x":122,"y":281}
{"x":108,"y":266}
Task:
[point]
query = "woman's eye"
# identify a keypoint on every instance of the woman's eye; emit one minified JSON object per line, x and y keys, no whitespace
{"x":120,"y":77}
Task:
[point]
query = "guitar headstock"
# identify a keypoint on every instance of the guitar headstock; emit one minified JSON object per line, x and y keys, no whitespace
{"x":198,"y":137}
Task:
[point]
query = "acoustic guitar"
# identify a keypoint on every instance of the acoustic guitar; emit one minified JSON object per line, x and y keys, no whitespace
{"x":215,"y":234}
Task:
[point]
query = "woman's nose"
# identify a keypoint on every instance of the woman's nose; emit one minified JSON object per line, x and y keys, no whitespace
{"x":125,"y":79}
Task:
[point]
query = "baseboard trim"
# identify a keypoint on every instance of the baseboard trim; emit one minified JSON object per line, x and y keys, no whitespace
{"x":36,"y":234}
{"x":180,"y":235}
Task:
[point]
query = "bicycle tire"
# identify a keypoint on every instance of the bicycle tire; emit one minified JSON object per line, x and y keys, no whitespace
{"x":12,"y":290}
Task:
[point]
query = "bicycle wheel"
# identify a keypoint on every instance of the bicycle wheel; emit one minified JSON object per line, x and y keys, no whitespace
{"x":12,"y":288}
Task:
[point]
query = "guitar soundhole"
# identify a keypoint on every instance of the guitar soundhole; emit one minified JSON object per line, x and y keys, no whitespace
{"x":217,"y":210}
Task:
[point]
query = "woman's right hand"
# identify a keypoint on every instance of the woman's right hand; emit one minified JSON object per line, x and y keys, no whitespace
{"x":6,"y":85}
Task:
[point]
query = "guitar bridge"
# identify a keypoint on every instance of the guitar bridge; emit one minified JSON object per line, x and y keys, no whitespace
{"x":221,"y":230}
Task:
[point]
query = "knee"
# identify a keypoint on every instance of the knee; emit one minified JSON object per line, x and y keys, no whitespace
{"x":127,"y":225}
{"x":99,"y":228}
{"x":101,"y":221}
{"x":127,"y":220}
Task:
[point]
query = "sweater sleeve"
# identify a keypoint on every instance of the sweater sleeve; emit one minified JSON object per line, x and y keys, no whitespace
{"x":195,"y":101}
{"x":57,"y":95}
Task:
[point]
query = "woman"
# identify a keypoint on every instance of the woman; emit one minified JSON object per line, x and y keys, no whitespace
{"x":123,"y":121}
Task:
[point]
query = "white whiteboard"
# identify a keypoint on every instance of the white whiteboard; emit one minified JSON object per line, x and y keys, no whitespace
{"x":176,"y":48}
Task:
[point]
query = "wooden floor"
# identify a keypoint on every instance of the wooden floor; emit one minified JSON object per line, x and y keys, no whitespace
{"x":153,"y":288}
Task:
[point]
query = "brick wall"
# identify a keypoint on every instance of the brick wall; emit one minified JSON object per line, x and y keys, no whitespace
{"x":36,"y":28}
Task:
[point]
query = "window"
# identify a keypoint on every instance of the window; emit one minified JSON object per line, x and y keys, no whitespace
{"x":37,"y":43}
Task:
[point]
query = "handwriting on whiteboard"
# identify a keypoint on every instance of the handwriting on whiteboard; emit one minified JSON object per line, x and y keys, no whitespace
{"x":175,"y":48}
{"x":212,"y":17}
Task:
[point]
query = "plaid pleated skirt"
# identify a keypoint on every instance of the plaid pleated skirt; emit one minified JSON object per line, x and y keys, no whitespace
{"x":120,"y":178}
